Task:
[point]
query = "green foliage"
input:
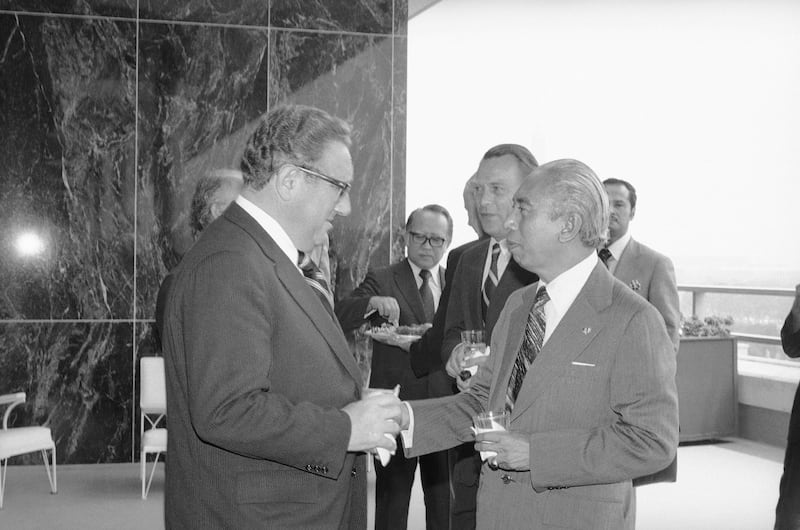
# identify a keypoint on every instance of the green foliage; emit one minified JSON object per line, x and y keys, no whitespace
{"x":713,"y":326}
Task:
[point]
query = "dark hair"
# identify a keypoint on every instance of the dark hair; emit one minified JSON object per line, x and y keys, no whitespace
{"x":435,"y":208}
{"x":205,"y":196}
{"x":524,"y":157}
{"x":628,"y":185}
{"x":289,"y":134}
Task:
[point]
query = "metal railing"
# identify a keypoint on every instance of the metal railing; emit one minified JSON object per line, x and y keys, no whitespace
{"x":699,"y":292}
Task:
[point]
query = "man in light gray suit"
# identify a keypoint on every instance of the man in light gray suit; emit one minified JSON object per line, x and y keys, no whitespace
{"x":638,"y":266}
{"x":582,"y":364}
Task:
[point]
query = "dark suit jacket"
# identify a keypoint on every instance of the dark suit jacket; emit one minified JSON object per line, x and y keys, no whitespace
{"x":599,"y":407}
{"x":464,"y":306}
{"x":651,"y":275}
{"x":257,"y":372}
{"x":390,"y":365}
{"x":787,"y":512}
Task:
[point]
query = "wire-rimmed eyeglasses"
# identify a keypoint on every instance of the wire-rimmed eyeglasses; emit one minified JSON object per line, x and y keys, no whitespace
{"x":344,"y":187}
{"x":421,"y":239}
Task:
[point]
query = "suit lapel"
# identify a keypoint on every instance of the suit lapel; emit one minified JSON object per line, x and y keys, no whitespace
{"x":406,"y":284}
{"x":579,"y":326}
{"x":295,"y":284}
{"x":625,"y":269}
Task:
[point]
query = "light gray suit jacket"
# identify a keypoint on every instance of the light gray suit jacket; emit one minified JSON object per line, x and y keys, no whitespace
{"x":593,"y":426}
{"x":652,"y":275}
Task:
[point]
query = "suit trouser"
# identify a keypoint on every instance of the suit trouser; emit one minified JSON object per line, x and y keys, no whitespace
{"x":787,"y":512}
{"x":393,"y":491}
{"x":465,"y":470}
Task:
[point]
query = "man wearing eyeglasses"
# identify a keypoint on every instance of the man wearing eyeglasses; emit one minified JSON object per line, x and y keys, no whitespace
{"x":267,"y":423}
{"x":407,"y":293}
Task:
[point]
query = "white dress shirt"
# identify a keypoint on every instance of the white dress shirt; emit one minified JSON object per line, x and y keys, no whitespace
{"x":502,"y":259}
{"x":617,"y":248}
{"x":272,"y":228}
{"x":434,"y":283}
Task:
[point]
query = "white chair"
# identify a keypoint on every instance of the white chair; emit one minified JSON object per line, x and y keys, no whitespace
{"x":153,"y":405}
{"x":21,"y":440}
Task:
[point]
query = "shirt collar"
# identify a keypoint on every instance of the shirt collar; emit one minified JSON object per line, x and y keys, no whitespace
{"x":434,"y":272}
{"x":503,"y":246}
{"x":617,"y":247}
{"x":271,"y":227}
{"x":565,"y":287}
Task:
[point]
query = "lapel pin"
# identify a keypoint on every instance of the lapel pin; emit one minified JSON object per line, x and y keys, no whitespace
{"x":586,"y":331}
{"x":635,"y":285}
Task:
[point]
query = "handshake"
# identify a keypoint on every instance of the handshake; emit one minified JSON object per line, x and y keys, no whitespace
{"x":376,"y":420}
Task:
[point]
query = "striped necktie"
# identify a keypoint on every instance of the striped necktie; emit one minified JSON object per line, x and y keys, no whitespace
{"x":491,"y":281}
{"x":531,"y":346}
{"x":605,"y":255}
{"x":427,"y":295}
{"x":316,"y":280}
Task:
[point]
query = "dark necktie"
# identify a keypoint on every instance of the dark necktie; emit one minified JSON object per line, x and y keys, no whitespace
{"x":531,"y":346}
{"x":426,"y":294}
{"x":491,"y":281}
{"x":316,"y":280}
{"x":605,"y":255}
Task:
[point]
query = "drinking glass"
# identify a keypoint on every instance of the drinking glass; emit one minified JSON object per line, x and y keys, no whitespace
{"x":489,"y":421}
{"x":475,"y":346}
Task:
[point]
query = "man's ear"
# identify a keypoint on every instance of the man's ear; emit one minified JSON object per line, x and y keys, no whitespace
{"x":633,"y":212}
{"x":570,"y":228}
{"x":287,"y":181}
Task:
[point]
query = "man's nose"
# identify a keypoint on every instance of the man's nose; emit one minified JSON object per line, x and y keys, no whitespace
{"x":343,"y":206}
{"x":510,"y":223}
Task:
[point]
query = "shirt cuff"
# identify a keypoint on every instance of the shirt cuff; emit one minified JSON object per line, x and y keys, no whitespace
{"x":408,"y":434}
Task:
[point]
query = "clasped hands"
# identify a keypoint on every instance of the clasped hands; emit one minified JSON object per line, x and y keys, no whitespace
{"x":513,"y":449}
{"x":375,"y":421}
{"x":459,"y":362}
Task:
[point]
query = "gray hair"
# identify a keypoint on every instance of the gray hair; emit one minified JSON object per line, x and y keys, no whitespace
{"x":571,"y":187}
{"x":205,"y":196}
{"x":524,"y":157}
{"x":289,"y":134}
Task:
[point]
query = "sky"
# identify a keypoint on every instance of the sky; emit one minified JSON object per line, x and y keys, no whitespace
{"x":694,"y":102}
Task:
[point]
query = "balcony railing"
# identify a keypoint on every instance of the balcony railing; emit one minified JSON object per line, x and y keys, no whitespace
{"x":699,"y":303}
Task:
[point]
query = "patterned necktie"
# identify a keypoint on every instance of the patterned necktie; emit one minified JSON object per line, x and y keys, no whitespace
{"x":316,"y":280}
{"x":605,"y":255}
{"x":531,"y":346}
{"x":491,"y":281}
{"x":426,"y":294}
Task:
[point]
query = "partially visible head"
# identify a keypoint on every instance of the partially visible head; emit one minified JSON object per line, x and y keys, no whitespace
{"x":622,"y":198}
{"x":560,"y":216}
{"x":499,"y":175}
{"x":429,"y":231}
{"x":297,"y":166}
{"x":212,"y":194}
{"x":471,"y":206}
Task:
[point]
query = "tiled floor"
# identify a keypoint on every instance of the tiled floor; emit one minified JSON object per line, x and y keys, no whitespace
{"x":729,"y":485}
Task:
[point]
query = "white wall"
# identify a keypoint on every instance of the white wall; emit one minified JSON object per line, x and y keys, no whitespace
{"x":696,"y":103}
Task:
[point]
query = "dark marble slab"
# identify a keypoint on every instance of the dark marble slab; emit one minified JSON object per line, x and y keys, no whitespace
{"x":399,"y":82}
{"x":201,"y":89}
{"x":349,"y":76}
{"x":401,"y":17}
{"x":364,"y":16}
{"x":67,"y":152}
{"x":234,"y":12}
{"x":78,"y":378}
{"x":111,"y":8}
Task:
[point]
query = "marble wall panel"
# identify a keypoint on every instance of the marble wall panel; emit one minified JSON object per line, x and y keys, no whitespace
{"x":200,"y":90}
{"x":67,"y":147}
{"x":234,"y":12}
{"x":78,"y":380}
{"x":350,"y":76}
{"x":398,"y":202}
{"x":363,"y":16}
{"x":111,"y":8}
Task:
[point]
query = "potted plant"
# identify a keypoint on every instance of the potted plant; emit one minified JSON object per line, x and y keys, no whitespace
{"x":706,"y":378}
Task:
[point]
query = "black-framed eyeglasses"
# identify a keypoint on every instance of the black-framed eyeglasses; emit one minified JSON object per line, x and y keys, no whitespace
{"x":421,"y":239}
{"x":344,"y":187}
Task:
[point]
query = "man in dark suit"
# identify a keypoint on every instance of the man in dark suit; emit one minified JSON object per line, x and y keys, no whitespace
{"x":485,"y":276}
{"x":787,"y":513}
{"x":647,"y":272}
{"x":264,"y":396}
{"x":409,"y":293}
{"x":583,"y":367}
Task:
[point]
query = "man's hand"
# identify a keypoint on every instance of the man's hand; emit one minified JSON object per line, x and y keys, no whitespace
{"x":456,"y":361}
{"x":513,"y":449}
{"x":386,"y":306}
{"x":371,"y":418}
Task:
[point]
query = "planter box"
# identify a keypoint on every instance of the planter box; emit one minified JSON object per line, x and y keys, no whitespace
{"x":707,"y":395}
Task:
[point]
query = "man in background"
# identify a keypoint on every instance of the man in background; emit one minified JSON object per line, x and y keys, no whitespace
{"x":583,"y":367}
{"x":264,"y":396}
{"x":485,"y":276}
{"x":409,"y":293}
{"x":212,"y":195}
{"x":787,"y":513}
